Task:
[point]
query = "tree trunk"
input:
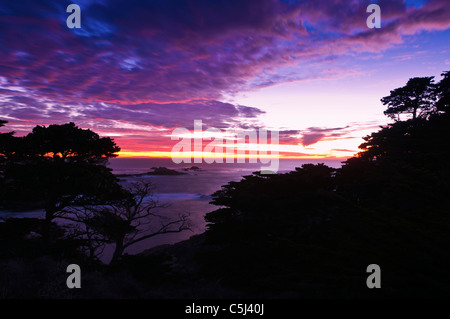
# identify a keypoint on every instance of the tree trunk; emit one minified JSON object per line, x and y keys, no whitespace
{"x":49,"y":215}
{"x":118,"y":250}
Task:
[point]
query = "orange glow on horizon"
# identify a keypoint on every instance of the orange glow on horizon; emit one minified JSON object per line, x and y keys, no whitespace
{"x":159,"y":154}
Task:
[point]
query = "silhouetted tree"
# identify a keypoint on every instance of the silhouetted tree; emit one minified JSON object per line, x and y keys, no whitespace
{"x":124,"y":222}
{"x":57,"y":166}
{"x":443,"y":93}
{"x":6,"y":142}
{"x":69,"y":143}
{"x":3,"y":137}
{"x":417,"y":95}
{"x":250,"y":205}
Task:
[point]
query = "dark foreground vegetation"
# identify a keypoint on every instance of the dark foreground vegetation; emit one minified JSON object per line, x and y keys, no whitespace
{"x":311,"y":232}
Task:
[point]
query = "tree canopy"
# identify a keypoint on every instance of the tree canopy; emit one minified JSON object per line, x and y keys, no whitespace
{"x":443,"y":93}
{"x":66,"y":142}
{"x":56,"y":166}
{"x":6,"y":142}
{"x":416,"y":96}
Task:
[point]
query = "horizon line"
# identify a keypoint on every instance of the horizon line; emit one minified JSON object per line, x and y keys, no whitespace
{"x":312,"y":157}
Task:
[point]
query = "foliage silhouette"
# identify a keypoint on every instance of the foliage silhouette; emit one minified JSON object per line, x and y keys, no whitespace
{"x":68,"y":143}
{"x":313,"y":232}
{"x":443,"y":93}
{"x":58,"y":166}
{"x":416,"y":95}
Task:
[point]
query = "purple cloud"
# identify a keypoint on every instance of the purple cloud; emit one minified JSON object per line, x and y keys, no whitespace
{"x":166,"y":63}
{"x":178,"y":51}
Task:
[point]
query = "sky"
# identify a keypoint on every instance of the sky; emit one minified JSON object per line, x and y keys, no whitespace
{"x":137,"y":70}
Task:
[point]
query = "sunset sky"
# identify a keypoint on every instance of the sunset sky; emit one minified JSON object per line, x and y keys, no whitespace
{"x":137,"y":70}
